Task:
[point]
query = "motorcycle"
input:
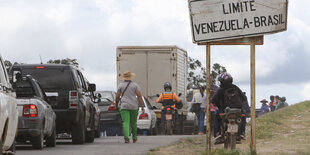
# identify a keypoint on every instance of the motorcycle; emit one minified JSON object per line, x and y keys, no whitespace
{"x":230,"y":127}
{"x":169,"y":111}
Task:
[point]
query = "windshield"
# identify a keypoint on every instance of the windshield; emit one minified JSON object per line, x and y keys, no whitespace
{"x":51,"y":78}
{"x":107,"y":95}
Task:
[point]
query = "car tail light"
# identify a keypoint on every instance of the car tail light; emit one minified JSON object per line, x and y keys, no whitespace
{"x":168,"y":109}
{"x":144,"y":116}
{"x":73,"y":99}
{"x":30,"y":110}
{"x":40,"y":67}
{"x":112,"y":107}
{"x":242,"y":115}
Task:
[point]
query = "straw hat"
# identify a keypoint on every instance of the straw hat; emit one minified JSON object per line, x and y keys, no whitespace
{"x":264,"y":101}
{"x":127,"y":75}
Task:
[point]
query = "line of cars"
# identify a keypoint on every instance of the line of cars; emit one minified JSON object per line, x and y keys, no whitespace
{"x":39,"y":102}
{"x":42,"y":102}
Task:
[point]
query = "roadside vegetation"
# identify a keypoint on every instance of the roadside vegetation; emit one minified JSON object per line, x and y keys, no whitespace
{"x":286,"y":131}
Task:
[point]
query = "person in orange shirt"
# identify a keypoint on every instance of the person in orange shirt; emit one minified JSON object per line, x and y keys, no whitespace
{"x":168,"y":98}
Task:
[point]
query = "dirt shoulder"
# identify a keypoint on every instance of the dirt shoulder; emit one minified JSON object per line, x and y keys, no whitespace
{"x":286,"y":131}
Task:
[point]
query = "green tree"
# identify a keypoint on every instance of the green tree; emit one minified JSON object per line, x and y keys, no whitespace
{"x":64,"y":61}
{"x":197,"y":74}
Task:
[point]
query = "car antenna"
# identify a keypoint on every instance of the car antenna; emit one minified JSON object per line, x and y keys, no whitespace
{"x":41,"y":59}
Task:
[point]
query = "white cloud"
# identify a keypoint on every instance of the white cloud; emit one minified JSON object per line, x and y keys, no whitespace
{"x":305,"y":91}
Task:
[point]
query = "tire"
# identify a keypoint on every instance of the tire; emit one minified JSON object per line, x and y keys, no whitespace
{"x":169,"y":128}
{"x":97,"y":132}
{"x":38,"y":141}
{"x":78,"y":134}
{"x":11,"y":150}
{"x":1,"y":145}
{"x":51,"y":140}
{"x":233,"y":141}
{"x":90,"y":135}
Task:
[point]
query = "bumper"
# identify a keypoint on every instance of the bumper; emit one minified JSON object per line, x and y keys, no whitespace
{"x":29,"y":126}
{"x":144,"y":124}
{"x":110,"y":116}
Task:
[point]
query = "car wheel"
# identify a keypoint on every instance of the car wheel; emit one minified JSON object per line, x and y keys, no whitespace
{"x":51,"y":140}
{"x":97,"y":132}
{"x":90,"y":135}
{"x":37,"y":141}
{"x":78,"y":133}
{"x":11,"y":150}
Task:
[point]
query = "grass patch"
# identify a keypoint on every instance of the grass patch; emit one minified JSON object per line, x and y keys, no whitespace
{"x":272,"y":122}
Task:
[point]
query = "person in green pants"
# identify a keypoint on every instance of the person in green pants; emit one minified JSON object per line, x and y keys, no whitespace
{"x":128,"y":97}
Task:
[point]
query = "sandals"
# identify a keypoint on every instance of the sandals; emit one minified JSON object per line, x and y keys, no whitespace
{"x":126,"y":140}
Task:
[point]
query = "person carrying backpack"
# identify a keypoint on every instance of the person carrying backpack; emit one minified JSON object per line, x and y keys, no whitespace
{"x":228,"y":95}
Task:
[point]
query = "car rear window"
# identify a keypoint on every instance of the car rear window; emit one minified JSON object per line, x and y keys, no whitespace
{"x":51,"y":78}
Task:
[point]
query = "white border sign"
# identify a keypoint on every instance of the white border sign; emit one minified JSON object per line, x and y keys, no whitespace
{"x":213,"y":20}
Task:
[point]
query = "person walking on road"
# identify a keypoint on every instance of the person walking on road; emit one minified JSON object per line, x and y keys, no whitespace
{"x":200,"y":98}
{"x":264,"y":108}
{"x":127,"y":98}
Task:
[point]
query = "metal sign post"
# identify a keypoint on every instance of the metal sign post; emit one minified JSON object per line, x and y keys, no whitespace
{"x":252,"y":41}
{"x":253,"y":138}
{"x":208,"y":84}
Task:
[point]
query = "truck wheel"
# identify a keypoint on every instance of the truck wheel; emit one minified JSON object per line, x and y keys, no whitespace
{"x":37,"y":141}
{"x":51,"y":140}
{"x":97,"y":132}
{"x":11,"y":150}
{"x":90,"y":135}
{"x":1,"y":145}
{"x":78,"y":133}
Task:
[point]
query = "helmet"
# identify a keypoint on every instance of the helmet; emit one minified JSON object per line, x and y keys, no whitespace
{"x":225,"y":78}
{"x":167,"y":85}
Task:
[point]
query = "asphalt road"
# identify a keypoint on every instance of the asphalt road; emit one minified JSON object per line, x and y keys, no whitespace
{"x":103,"y":146}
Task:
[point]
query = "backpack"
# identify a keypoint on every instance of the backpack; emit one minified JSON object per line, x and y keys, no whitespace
{"x":232,"y":98}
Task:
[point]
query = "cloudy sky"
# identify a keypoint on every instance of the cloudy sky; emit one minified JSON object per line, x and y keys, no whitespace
{"x":91,"y":30}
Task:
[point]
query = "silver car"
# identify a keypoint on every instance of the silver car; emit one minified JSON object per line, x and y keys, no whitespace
{"x":147,"y":120}
{"x":37,"y":120}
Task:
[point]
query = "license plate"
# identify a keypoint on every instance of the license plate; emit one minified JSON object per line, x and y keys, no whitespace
{"x":168,"y":117}
{"x":232,"y":128}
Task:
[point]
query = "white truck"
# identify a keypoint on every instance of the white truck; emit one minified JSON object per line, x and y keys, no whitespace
{"x":8,"y":113}
{"x":153,"y":66}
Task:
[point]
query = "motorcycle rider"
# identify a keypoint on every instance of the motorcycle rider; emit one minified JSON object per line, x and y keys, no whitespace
{"x":225,"y":80}
{"x":168,"y":97}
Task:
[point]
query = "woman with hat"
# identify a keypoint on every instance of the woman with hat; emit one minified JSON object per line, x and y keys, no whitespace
{"x":128,"y":97}
{"x":264,"y":108}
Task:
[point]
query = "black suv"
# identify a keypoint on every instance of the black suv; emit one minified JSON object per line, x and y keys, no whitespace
{"x":69,"y":96}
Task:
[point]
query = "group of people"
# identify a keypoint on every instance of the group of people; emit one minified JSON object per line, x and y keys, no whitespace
{"x":276,"y":103}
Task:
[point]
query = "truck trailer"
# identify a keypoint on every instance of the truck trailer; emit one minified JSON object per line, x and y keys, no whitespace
{"x":153,"y":66}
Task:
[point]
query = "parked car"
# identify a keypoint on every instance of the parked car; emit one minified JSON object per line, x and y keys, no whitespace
{"x":110,"y":117}
{"x":68,"y":95}
{"x":8,"y":113}
{"x":147,"y":120}
{"x":37,"y":120}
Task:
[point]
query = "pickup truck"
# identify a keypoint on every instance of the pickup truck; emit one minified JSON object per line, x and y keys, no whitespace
{"x":69,"y":96}
{"x":8,"y":113}
{"x":37,"y":120}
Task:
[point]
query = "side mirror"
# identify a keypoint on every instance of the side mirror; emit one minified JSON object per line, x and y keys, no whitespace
{"x":180,"y":94}
{"x":92,"y":87}
{"x":157,"y":95}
